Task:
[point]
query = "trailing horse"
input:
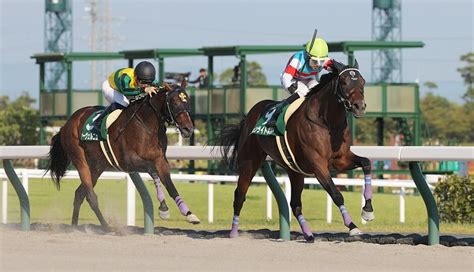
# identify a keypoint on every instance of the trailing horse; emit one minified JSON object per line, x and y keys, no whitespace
{"x":316,"y":138}
{"x":136,"y":142}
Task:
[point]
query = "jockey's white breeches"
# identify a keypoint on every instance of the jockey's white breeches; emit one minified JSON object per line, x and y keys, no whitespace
{"x":112,"y":95}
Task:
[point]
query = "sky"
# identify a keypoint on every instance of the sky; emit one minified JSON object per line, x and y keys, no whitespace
{"x":446,"y":28}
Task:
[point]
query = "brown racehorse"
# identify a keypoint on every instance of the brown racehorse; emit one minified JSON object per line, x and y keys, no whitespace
{"x":319,"y":137}
{"x":138,"y":140}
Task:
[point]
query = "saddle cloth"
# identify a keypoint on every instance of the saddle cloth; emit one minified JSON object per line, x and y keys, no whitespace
{"x":90,"y":133}
{"x":282,"y":119}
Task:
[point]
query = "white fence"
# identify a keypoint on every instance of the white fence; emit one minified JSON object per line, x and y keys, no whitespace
{"x":211,"y":180}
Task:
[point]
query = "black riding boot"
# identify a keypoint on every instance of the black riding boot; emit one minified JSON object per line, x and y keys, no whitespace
{"x":109,"y":109}
{"x":279,"y":107}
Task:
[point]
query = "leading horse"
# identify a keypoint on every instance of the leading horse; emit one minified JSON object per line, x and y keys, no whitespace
{"x":319,"y":137}
{"x":138,"y":141}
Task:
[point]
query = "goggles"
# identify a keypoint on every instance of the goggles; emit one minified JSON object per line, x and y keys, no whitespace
{"x":317,"y":61}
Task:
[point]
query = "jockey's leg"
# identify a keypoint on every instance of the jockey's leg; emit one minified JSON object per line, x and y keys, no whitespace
{"x":279,"y":107}
{"x":116,"y":99}
{"x":109,"y":109}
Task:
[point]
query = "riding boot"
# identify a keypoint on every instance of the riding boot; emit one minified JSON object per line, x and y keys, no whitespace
{"x":279,"y":107}
{"x":109,"y":109}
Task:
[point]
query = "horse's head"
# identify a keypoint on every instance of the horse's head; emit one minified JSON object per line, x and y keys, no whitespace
{"x":178,"y":106}
{"x":350,"y":88}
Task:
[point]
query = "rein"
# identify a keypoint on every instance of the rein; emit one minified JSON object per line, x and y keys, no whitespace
{"x":341,"y":98}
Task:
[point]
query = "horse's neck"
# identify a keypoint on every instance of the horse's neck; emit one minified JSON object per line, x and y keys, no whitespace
{"x":146,"y":116}
{"x":326,"y":107}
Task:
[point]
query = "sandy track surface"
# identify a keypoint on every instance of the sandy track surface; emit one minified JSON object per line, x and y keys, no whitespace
{"x":61,"y":248}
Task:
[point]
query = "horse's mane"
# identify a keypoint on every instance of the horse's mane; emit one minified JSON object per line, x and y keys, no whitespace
{"x":324,"y":80}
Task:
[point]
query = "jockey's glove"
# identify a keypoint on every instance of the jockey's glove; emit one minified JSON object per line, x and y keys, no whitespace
{"x":150,"y":90}
{"x":293,"y":87}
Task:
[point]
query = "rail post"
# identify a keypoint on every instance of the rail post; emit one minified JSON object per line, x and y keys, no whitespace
{"x":20,"y":191}
{"x":432,"y":209}
{"x":283,"y":209}
{"x":147,"y":203}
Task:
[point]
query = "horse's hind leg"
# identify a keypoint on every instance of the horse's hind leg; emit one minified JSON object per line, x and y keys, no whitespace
{"x":78,"y":199}
{"x":164,"y":174}
{"x":351,"y":161}
{"x":163,"y":210}
{"x":297,"y":185}
{"x":326,"y":181}
{"x":88,"y":182}
{"x":247,"y":166}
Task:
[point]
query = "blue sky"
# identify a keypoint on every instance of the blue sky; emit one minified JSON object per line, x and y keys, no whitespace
{"x":446,"y":27}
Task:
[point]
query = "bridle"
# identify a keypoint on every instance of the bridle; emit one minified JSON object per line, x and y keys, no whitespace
{"x":171,"y":111}
{"x":340,"y":94}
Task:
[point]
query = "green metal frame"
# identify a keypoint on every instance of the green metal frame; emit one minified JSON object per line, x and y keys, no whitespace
{"x":20,"y":191}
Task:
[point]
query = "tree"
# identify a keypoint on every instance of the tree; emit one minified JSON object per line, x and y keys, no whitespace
{"x":255,"y":76}
{"x":19,"y":122}
{"x":467,"y":73}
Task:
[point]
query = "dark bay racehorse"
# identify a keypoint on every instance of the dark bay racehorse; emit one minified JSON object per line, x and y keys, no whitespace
{"x":138,"y":140}
{"x":319,"y":137}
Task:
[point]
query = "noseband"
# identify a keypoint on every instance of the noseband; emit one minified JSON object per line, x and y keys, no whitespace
{"x":340,"y":94}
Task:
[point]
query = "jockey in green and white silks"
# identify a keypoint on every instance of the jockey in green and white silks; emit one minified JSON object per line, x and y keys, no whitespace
{"x":301,"y":72}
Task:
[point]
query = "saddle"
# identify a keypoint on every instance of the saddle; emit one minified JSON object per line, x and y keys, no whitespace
{"x":282,"y":119}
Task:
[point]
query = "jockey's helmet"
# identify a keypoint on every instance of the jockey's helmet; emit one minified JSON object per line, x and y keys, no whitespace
{"x":145,"y":72}
{"x":317,"y":49}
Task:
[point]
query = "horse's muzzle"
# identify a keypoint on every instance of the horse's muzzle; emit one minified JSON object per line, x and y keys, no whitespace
{"x":186,"y":132}
{"x":358,"y":108}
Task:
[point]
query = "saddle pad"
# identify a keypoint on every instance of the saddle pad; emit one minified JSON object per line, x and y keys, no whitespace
{"x":90,"y":133}
{"x":261,"y":128}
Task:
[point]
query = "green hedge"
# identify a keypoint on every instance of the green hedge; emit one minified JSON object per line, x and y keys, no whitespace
{"x":455,"y":199}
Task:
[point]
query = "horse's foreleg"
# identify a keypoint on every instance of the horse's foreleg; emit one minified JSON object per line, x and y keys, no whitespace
{"x":164,"y":174}
{"x":297,"y":185}
{"x":350,"y":162}
{"x":163,"y":210}
{"x":326,"y":181}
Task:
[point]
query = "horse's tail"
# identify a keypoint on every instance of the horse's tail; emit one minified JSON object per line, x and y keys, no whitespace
{"x":58,"y":160}
{"x":228,"y":138}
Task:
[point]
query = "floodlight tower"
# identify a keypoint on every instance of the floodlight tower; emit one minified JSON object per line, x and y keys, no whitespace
{"x":57,"y":39}
{"x":386,"y":26}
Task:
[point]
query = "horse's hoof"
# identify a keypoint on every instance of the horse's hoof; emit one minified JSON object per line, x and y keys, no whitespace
{"x":367,"y":216}
{"x":193,"y":219}
{"x":234,"y":233}
{"x":355,"y":232}
{"x":309,"y":238}
{"x":164,"y":214}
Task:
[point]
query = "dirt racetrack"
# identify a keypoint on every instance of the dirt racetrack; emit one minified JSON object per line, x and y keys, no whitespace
{"x":87,"y":248}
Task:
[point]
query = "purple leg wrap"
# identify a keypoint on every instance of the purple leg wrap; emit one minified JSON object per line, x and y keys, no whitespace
{"x":159,"y":191}
{"x":181,"y":205}
{"x":345,"y":215}
{"x":368,"y":187}
{"x":234,"y":231}
{"x":304,"y":226}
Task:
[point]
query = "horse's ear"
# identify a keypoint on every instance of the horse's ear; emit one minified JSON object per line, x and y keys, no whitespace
{"x":339,"y":66}
{"x":167,"y":86}
{"x":356,"y":65}
{"x":184,"y":83}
